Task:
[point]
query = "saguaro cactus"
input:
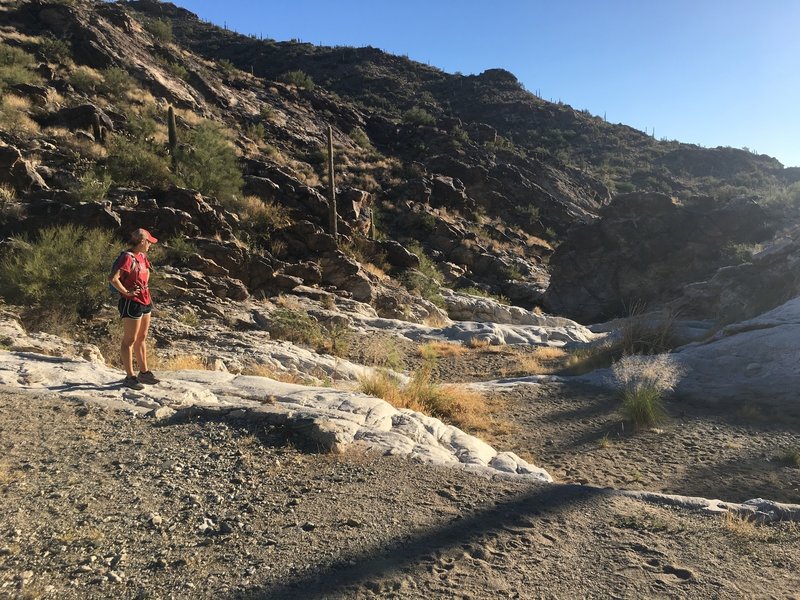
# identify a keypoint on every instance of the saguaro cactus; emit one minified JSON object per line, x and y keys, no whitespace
{"x":173,"y":137}
{"x":331,"y":189}
{"x":97,"y":129}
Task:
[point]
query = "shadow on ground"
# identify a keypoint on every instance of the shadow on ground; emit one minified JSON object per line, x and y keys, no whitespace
{"x":336,"y":580}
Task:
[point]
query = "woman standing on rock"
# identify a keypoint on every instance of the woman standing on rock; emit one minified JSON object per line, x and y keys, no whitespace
{"x":130,"y":276}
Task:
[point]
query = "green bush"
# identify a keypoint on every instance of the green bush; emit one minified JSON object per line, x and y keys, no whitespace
{"x":298,"y":78}
{"x":426,"y":280}
{"x":208,"y":163}
{"x":418,"y":116}
{"x":92,"y":188}
{"x":16,"y":66}
{"x":54,"y":50}
{"x":226,"y":66}
{"x":295,"y":326}
{"x":64,"y":269}
{"x":643,"y":380}
{"x":84,"y":81}
{"x":136,"y":162}
{"x":160,"y":29}
{"x":174,"y":68}
{"x":117,"y":81}
{"x":177,"y":250}
{"x":360,"y":137}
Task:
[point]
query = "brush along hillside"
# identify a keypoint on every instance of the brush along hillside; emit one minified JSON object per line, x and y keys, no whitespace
{"x":119,"y":115}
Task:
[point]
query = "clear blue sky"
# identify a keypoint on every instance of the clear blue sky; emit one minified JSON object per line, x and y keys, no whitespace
{"x":710,"y":72}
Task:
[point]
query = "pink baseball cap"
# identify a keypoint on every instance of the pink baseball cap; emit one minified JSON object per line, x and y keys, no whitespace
{"x":143,"y":234}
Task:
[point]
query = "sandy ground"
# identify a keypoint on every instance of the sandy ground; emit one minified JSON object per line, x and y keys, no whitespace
{"x":101,"y":504}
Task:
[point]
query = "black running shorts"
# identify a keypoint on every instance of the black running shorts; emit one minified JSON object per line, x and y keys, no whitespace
{"x":130,"y":309}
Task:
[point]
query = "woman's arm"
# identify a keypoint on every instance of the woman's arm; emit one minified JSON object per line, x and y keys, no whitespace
{"x":115,"y":282}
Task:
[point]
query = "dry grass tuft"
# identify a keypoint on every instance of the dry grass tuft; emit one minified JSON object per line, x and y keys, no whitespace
{"x":383,"y":352}
{"x":544,"y":359}
{"x":478,"y":343}
{"x":548,"y":353}
{"x":643,"y":380}
{"x":442,"y":349}
{"x":744,"y":526}
{"x":288,"y":302}
{"x":258,"y":214}
{"x":435,"y":320}
{"x":14,"y":115}
{"x":454,"y":404}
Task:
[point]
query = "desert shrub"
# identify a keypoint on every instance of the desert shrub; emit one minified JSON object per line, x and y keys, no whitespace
{"x":258,"y":216}
{"x":787,"y":196}
{"x":637,"y":336}
{"x":267,"y":112}
{"x":642,"y":382}
{"x":173,"y":67}
{"x":117,"y":81}
{"x":426,"y":266}
{"x":476,"y":291}
{"x":226,"y":66}
{"x":360,"y":137}
{"x":426,"y":287}
{"x":426,"y":279}
{"x":85,"y":80}
{"x":54,"y":50}
{"x":336,"y":339}
{"x":256,"y":131}
{"x":160,"y":29}
{"x":10,"y":209}
{"x":294,"y":325}
{"x":134,"y":161}
{"x":382,"y":352}
{"x":207,"y":163}
{"x":177,"y":250}
{"x":364,"y":251}
{"x":14,"y":116}
{"x":64,"y":269}
{"x":740,"y":253}
{"x":91,"y":187}
{"x":418,"y":116}
{"x":16,"y":66}
{"x":790,"y":457}
{"x":297,"y":78}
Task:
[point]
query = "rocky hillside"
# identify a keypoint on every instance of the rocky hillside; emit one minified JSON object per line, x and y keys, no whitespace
{"x":468,"y":181}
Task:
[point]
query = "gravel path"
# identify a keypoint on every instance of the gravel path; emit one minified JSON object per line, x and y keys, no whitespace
{"x":576,"y":433}
{"x":100,"y":504}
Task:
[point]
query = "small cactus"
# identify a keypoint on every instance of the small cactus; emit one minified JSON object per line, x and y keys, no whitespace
{"x":97,"y":130}
{"x":173,"y":137}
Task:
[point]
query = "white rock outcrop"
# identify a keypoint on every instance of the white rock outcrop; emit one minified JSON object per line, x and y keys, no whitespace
{"x":754,"y":360}
{"x":326,"y":417}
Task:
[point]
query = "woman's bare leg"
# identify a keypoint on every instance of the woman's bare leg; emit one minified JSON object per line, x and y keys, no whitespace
{"x":130,"y":329}
{"x":139,"y":346}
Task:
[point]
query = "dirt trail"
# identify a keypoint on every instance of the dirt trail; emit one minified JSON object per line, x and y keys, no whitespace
{"x":99,"y":504}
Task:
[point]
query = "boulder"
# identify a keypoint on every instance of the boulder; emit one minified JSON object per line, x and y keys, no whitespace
{"x":210,"y":221}
{"x":646,"y":250}
{"x":747,"y":363}
{"x":16,"y":171}
{"x":397,"y":255}
{"x":77,"y":117}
